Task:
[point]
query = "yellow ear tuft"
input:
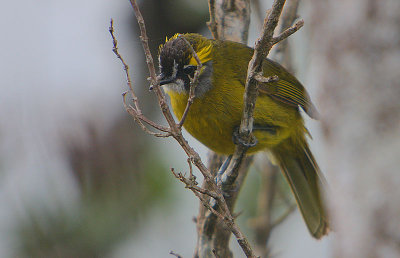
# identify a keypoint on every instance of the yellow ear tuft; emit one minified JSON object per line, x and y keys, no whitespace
{"x":174,"y":37}
{"x":204,"y":54}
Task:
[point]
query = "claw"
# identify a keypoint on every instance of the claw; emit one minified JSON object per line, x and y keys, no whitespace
{"x":238,"y":140}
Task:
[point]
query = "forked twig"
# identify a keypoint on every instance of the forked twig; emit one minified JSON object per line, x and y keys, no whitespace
{"x":136,"y":111}
{"x":288,"y":32}
{"x":192,"y":185}
{"x":139,"y":118}
{"x":126,"y":67}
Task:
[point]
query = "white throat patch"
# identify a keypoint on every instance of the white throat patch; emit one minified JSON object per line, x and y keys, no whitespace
{"x":177,"y":86}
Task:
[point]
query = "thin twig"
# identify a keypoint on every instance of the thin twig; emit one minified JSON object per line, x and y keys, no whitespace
{"x":208,"y":206}
{"x":135,"y":112}
{"x":191,"y":176}
{"x":197,"y":191}
{"x":141,"y":117}
{"x":126,"y":67}
{"x":132,"y":111}
{"x":212,"y":24}
{"x":282,"y":52}
{"x":192,"y":185}
{"x":193,"y":82}
{"x":288,"y":32}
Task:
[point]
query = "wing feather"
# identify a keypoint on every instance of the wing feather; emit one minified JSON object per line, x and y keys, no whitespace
{"x":287,"y":89}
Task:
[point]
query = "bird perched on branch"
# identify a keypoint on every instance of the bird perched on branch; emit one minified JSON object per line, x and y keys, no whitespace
{"x":215,"y":114}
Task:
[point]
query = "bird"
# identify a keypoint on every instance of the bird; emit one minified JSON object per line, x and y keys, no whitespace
{"x":215,"y":113}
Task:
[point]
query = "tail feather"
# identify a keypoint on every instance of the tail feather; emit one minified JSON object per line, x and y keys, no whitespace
{"x":305,"y":180}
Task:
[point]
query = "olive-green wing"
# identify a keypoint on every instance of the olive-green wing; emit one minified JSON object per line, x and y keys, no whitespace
{"x":287,"y":89}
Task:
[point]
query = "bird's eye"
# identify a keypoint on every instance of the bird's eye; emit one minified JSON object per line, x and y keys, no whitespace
{"x":189,"y":70}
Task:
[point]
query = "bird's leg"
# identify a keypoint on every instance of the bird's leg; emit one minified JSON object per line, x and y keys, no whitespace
{"x":222,"y":169}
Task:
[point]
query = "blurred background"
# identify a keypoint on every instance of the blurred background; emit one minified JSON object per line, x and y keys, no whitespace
{"x":78,"y":178}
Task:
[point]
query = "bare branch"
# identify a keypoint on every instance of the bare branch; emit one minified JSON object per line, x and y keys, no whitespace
{"x":288,"y":32}
{"x":192,"y":185}
{"x":141,"y":117}
{"x":191,"y":176}
{"x":212,"y":24}
{"x":262,"y":47}
{"x":209,"y":207}
{"x":229,"y":20}
{"x":193,"y":82}
{"x":229,"y":178}
{"x":135,"y":112}
{"x":138,"y":120}
{"x":197,"y":191}
{"x":282,"y":52}
{"x":126,"y":67}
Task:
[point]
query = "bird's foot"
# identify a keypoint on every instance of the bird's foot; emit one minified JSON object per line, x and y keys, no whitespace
{"x":238,"y":140}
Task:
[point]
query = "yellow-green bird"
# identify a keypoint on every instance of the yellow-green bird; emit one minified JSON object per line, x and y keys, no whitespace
{"x":216,"y":112}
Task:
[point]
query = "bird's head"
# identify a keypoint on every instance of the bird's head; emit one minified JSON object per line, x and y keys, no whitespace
{"x":177,"y":62}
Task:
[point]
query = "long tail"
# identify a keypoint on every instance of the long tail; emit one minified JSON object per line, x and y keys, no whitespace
{"x":305,"y":179}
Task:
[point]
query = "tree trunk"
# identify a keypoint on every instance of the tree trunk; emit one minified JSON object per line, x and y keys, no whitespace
{"x":356,"y":60}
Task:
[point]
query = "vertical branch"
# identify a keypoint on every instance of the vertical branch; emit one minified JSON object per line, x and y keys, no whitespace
{"x":262,"y":47}
{"x":254,"y":75}
{"x":212,"y":24}
{"x":230,"y":19}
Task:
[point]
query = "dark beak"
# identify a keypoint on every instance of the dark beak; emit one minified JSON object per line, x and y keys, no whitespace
{"x":166,"y":81}
{"x":162,"y":81}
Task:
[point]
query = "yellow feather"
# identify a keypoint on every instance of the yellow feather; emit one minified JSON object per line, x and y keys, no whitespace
{"x":204,"y":55}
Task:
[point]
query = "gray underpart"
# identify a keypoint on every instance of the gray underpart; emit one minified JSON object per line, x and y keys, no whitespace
{"x":205,"y":80}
